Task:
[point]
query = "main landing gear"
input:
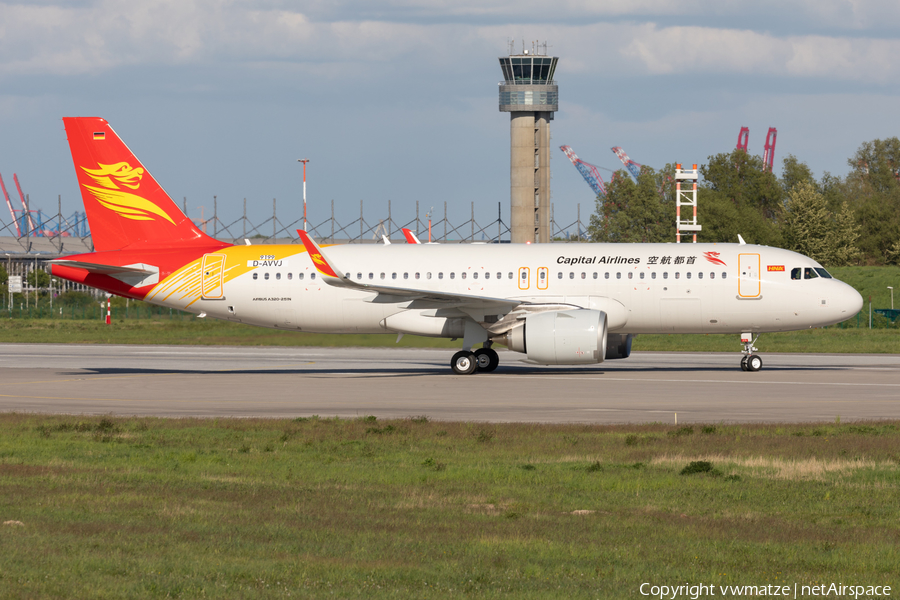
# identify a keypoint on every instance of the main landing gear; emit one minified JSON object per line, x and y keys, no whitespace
{"x":483,"y":360}
{"x":750,"y":361}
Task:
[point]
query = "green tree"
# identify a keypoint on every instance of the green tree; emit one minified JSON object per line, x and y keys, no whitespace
{"x":739,"y":196}
{"x":4,"y":276}
{"x":873,"y":189}
{"x":38,"y":278}
{"x":631,"y":212}
{"x":810,"y":228}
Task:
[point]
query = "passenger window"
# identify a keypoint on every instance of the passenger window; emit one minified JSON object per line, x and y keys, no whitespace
{"x":417,"y":275}
{"x":724,"y":275}
{"x":606,"y":275}
{"x":571,"y":275}
{"x":371,"y":275}
{"x":290,"y":276}
{"x":642,"y":274}
{"x":441,"y":275}
{"x":500,"y":275}
{"x":595,"y":274}
{"x":487,"y":275}
{"x":393,"y":276}
{"x":382,"y":275}
{"x":712,"y":275}
{"x":677,"y":275}
{"x":795,"y":273}
{"x":630,"y":274}
{"x":463,"y":275}
{"x":312,"y":275}
{"x":618,"y":276}
{"x":559,"y":275}
{"x":665,"y":274}
{"x":584,"y":275}
{"x":688,"y":275}
{"x":653,"y":275}
{"x":542,"y":274}
{"x":266,"y":276}
{"x":809,"y":273}
{"x":256,"y":276}
{"x":452,"y":275}
{"x":406,"y":276}
{"x":278,"y":276}
{"x":700,"y":275}
{"x":358,"y":275}
{"x":475,"y":275}
{"x":428,"y":275}
{"x":510,"y":275}
{"x":300,"y":276}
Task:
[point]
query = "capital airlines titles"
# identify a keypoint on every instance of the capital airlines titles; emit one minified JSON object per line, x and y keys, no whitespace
{"x":621,"y":260}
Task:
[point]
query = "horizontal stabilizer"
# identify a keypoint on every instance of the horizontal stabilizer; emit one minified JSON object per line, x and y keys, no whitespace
{"x":137,"y":275}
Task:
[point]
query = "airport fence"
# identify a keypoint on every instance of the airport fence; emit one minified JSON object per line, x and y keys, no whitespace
{"x":93,"y":312}
{"x":58,"y":231}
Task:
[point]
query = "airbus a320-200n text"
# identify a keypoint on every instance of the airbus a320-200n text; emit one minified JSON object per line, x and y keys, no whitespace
{"x":560,"y":304}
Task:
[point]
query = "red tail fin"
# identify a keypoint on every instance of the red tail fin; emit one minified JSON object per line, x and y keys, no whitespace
{"x":124,"y":204}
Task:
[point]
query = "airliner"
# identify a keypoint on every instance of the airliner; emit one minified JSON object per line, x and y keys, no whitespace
{"x":558,"y":304}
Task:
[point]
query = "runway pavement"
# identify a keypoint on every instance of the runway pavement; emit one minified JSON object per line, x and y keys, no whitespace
{"x":388,"y":382}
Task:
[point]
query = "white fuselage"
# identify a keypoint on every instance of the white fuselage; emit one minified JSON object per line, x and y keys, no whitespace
{"x":643,"y":288}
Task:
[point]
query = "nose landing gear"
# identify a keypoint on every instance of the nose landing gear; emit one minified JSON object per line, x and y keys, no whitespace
{"x":750,"y":361}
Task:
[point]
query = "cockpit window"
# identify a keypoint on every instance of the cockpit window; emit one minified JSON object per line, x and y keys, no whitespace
{"x":796,"y":273}
{"x":809,"y":273}
{"x":823,"y":273}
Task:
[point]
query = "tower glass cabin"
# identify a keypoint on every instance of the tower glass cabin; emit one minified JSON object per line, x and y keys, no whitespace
{"x":531,"y":96}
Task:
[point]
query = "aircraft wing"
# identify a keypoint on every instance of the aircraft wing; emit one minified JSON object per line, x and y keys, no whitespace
{"x":334,"y":276}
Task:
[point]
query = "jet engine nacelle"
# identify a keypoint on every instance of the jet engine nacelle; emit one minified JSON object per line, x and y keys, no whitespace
{"x":566,"y":337}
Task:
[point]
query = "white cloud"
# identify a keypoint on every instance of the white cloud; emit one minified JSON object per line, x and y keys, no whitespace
{"x":697,"y":49}
{"x":92,"y":38}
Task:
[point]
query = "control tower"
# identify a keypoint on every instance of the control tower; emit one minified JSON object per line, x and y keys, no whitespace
{"x":530,"y":96}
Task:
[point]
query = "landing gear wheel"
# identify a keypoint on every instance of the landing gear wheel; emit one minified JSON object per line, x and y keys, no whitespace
{"x":754,"y":362}
{"x":486,"y":360}
{"x":744,"y":366}
{"x":463,"y":363}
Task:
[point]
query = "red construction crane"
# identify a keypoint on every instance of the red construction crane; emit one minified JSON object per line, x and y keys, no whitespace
{"x":633,"y":167}
{"x":743,"y":138}
{"x":588,"y":171}
{"x":12,"y":211}
{"x":769,"y":156}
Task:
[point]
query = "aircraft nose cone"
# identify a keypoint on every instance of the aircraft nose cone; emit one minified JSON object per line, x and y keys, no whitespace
{"x":849,"y":301}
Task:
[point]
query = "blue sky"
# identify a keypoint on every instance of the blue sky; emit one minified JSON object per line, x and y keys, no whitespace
{"x":398,"y":99}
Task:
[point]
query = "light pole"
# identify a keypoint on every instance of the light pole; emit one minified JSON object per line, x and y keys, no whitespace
{"x":304,"y":161}
{"x":892,"y":296}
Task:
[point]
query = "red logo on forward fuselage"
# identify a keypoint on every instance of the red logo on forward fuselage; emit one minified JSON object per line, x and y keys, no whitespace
{"x":713,"y":257}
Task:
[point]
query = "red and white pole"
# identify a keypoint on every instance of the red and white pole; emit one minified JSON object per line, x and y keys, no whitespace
{"x":108,"y":309}
{"x":304,"y":161}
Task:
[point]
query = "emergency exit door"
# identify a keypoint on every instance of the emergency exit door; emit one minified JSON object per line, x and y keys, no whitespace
{"x":748,"y":282}
{"x":211,"y":276}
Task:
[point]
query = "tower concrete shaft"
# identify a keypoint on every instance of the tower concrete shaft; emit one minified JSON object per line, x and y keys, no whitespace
{"x":530,"y":95}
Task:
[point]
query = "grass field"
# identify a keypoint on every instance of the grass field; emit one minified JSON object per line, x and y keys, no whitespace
{"x":114,"y":508}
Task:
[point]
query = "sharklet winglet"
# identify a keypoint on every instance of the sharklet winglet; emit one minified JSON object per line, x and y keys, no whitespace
{"x":323,"y":265}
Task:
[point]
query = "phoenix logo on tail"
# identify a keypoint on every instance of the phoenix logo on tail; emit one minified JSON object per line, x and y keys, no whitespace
{"x":121,"y":172}
{"x":124,"y":204}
